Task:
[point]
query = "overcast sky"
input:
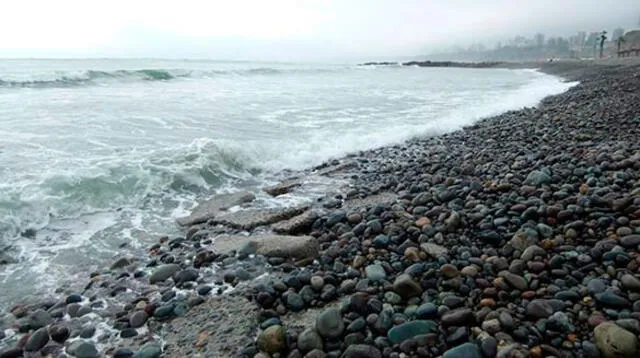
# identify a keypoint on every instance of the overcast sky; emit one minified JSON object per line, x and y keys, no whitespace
{"x":288,"y":29}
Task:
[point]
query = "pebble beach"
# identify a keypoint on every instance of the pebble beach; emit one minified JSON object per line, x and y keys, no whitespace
{"x":517,"y":236}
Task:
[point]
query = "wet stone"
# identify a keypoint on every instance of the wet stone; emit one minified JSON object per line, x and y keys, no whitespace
{"x":409,"y":330}
{"x":466,"y":350}
{"x":37,"y":340}
{"x":375,"y":272}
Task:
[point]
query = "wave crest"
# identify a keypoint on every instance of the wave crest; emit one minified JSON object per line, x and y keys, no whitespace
{"x":93,"y":77}
{"x":143,"y":182}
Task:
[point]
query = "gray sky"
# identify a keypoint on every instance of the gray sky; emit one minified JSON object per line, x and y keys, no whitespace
{"x":288,"y":29}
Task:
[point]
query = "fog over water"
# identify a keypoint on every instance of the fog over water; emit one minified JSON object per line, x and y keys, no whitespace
{"x":310,"y":30}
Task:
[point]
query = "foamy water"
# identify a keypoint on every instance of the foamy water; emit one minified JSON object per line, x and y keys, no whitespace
{"x":100,"y":156}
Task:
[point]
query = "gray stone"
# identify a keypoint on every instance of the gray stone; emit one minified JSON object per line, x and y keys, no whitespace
{"x":86,"y":350}
{"x":297,"y":247}
{"x":614,"y":341}
{"x":295,"y":302}
{"x":121,"y":262}
{"x":595,"y":286}
{"x":392,"y":298}
{"x":489,"y":346}
{"x":123,"y":353}
{"x":316,"y":353}
{"x":39,"y":319}
{"x":375,"y":272}
{"x":522,"y":239}
{"x":630,"y":241}
{"x":317,"y":282}
{"x":381,"y":241}
{"x":59,"y":333}
{"x":537,"y":178}
{"x":37,"y":340}
{"x":545,"y":230}
{"x":630,"y":282}
{"x":295,"y":224}
{"x":163,"y":272}
{"x":84,"y":310}
{"x":88,"y":331}
{"x":128,"y":333}
{"x":466,"y":350}
{"x":433,"y":250}
{"x":282,"y":188}
{"x":427,"y":310}
{"x":453,"y":221}
{"x":187,"y":275}
{"x":329,"y":323}
{"x":361,"y":351}
{"x":149,"y":350}
{"x":539,"y":309}
{"x":73,"y":308}
{"x":406,"y":286}
{"x":138,"y":319}
{"x":491,"y":326}
{"x":251,"y":219}
{"x":408,"y":330}
{"x":457,"y":317}
{"x":610,"y":299}
{"x":272,"y":339}
{"x":370,"y":201}
{"x":590,"y":349}
{"x":449,"y":271}
{"x":309,"y":340}
{"x":516,"y":281}
{"x":629,"y":324}
{"x":214,"y":206}
{"x":531,"y":252}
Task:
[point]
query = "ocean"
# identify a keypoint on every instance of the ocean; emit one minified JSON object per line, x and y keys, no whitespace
{"x":99,"y":157}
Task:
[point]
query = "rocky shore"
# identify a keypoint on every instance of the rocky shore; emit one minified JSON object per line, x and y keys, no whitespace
{"x":517,"y":236}
{"x":484,"y":64}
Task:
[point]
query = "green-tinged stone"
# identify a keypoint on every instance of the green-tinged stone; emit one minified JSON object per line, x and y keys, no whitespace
{"x":409,"y":330}
{"x":272,"y":339}
{"x":467,"y":350}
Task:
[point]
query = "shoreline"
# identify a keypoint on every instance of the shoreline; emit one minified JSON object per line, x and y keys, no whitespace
{"x":427,"y":198}
{"x":428,"y":63}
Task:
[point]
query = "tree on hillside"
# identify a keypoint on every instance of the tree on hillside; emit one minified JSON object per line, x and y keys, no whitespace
{"x":603,"y":38}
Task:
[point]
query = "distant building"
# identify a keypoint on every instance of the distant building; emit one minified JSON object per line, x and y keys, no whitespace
{"x":631,"y":44}
{"x":632,"y":39}
{"x":617,"y":33}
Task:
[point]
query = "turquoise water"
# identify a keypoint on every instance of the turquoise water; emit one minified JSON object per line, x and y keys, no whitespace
{"x":98,"y":153}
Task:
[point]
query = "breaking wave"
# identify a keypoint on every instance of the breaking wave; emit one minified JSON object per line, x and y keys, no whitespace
{"x":95,"y":77}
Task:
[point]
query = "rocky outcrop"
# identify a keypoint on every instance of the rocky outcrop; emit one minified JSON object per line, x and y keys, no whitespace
{"x":251,"y":219}
{"x":213,"y":207}
{"x":283,"y":187}
{"x":296,"y":224}
{"x":376,"y":199}
{"x":295,"y":247}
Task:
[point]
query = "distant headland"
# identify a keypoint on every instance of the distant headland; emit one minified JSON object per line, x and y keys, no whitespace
{"x":483,"y":64}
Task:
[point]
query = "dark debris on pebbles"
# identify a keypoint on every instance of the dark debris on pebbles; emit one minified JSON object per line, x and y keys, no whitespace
{"x":517,"y":236}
